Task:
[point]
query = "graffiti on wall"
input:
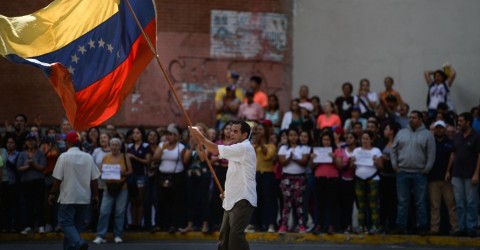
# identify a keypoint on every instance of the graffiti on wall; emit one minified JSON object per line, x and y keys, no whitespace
{"x":248,"y":35}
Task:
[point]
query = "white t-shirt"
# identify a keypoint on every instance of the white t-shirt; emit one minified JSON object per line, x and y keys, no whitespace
{"x":98,"y":155}
{"x":75,"y":169}
{"x":240,"y":182}
{"x":292,"y":167}
{"x":371,"y":96}
{"x":363,"y":171}
{"x":438,"y":93}
{"x":171,"y":159}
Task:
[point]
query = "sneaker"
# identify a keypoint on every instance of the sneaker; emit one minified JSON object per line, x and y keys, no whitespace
{"x":282,"y":229}
{"x":317,"y":230}
{"x":118,"y":240}
{"x":250,"y":229}
{"x":373,"y":230}
{"x":271,"y":229}
{"x":310,"y":228}
{"x":99,"y":240}
{"x":301,"y":229}
{"x":41,"y":230}
{"x":330,"y":230}
{"x":27,"y":230}
{"x":348,"y":230}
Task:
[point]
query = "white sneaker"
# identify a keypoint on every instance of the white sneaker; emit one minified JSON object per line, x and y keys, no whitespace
{"x":271,"y":229}
{"x":118,"y":240}
{"x":41,"y":230}
{"x":99,"y":240}
{"x":27,"y":230}
{"x":250,"y":229}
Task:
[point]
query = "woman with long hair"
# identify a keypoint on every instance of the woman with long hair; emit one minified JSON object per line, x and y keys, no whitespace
{"x":98,"y":155}
{"x":347,"y":185}
{"x":220,"y":166}
{"x":113,"y":198}
{"x":388,"y":183}
{"x":274,"y":113}
{"x":198,"y":183}
{"x":92,"y":140}
{"x":263,"y":216}
{"x":367,"y":161}
{"x":30,"y":164}
{"x":140,"y":154}
{"x":327,"y":183}
{"x":294,"y":162}
{"x":153,"y":139}
{"x":292,"y":118}
{"x":310,"y":191}
{"x":171,"y":180}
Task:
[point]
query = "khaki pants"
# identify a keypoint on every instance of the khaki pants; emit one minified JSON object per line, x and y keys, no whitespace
{"x":232,"y":232}
{"x":437,"y":190}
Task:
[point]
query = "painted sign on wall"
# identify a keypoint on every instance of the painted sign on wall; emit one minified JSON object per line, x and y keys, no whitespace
{"x":248,"y":35}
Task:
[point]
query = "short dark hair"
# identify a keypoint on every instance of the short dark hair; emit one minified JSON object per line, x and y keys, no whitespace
{"x":347,"y":84}
{"x":419,"y":114}
{"x":441,"y":73}
{"x":467,"y":116}
{"x":256,"y":79}
{"x":23,"y":116}
{"x":244,"y":127}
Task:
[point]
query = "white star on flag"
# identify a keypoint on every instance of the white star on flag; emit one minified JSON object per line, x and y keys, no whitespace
{"x":71,"y":70}
{"x":101,"y":43}
{"x":75,"y":58}
{"x":82,"y":49}
{"x":92,"y":44}
{"x":110,"y":48}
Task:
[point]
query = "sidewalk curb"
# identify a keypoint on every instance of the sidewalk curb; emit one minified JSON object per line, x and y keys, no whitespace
{"x":270,"y":237}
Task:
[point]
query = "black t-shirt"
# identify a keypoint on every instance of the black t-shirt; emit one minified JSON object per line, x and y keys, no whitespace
{"x":344,"y":106}
{"x":141,"y":152}
{"x":442,"y":156}
{"x":466,"y":154}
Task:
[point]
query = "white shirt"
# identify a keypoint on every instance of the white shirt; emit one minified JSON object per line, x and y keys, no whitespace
{"x":371,"y":96}
{"x":438,"y":93}
{"x":171,"y":159}
{"x":240,"y":183}
{"x":75,"y":169}
{"x":362,"y":171}
{"x":98,"y":155}
{"x":292,"y":167}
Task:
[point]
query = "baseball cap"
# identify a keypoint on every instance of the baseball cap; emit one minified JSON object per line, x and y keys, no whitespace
{"x":306,"y":105}
{"x":172,"y":129}
{"x":72,"y":137}
{"x":231,"y":87}
{"x":440,"y":123}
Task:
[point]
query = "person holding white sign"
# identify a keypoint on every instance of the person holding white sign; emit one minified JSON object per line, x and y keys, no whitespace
{"x":368,"y":161}
{"x":117,"y":193}
{"x":294,"y":160}
{"x":326,"y":163}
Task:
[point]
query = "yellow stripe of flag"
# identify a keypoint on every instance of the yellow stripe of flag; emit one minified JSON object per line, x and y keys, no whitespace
{"x":52,"y":27}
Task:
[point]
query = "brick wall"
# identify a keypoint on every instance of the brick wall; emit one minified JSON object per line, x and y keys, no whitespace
{"x":184,"y":48}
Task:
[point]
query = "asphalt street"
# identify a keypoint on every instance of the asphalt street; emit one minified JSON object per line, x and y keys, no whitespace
{"x":212,"y":245}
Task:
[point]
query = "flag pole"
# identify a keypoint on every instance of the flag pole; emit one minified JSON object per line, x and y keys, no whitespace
{"x":152,"y":48}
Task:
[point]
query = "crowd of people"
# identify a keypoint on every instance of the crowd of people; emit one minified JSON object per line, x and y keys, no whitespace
{"x":362,"y":163}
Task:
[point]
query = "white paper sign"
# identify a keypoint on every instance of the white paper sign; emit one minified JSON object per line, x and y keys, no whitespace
{"x":111,"y":171}
{"x":364,"y":158}
{"x":322,"y":155}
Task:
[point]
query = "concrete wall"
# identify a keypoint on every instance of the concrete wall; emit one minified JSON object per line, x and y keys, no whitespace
{"x":345,"y":40}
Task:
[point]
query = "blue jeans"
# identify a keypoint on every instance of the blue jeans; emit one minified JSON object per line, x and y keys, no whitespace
{"x":120,"y":202}
{"x":71,"y":218}
{"x":408,"y":183}
{"x":466,"y":197}
{"x":311,"y":192}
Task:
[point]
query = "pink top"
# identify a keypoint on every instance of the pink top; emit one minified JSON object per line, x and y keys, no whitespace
{"x":348,"y":172}
{"x":329,"y":170}
{"x":252,"y":112}
{"x":331,"y":121}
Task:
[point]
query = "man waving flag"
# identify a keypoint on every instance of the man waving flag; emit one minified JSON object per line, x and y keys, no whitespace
{"x":91,"y":50}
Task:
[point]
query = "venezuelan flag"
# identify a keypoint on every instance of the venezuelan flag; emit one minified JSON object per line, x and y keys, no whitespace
{"x":91,"y":50}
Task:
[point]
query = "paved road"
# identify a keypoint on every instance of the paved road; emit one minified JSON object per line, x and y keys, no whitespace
{"x":211,"y":245}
